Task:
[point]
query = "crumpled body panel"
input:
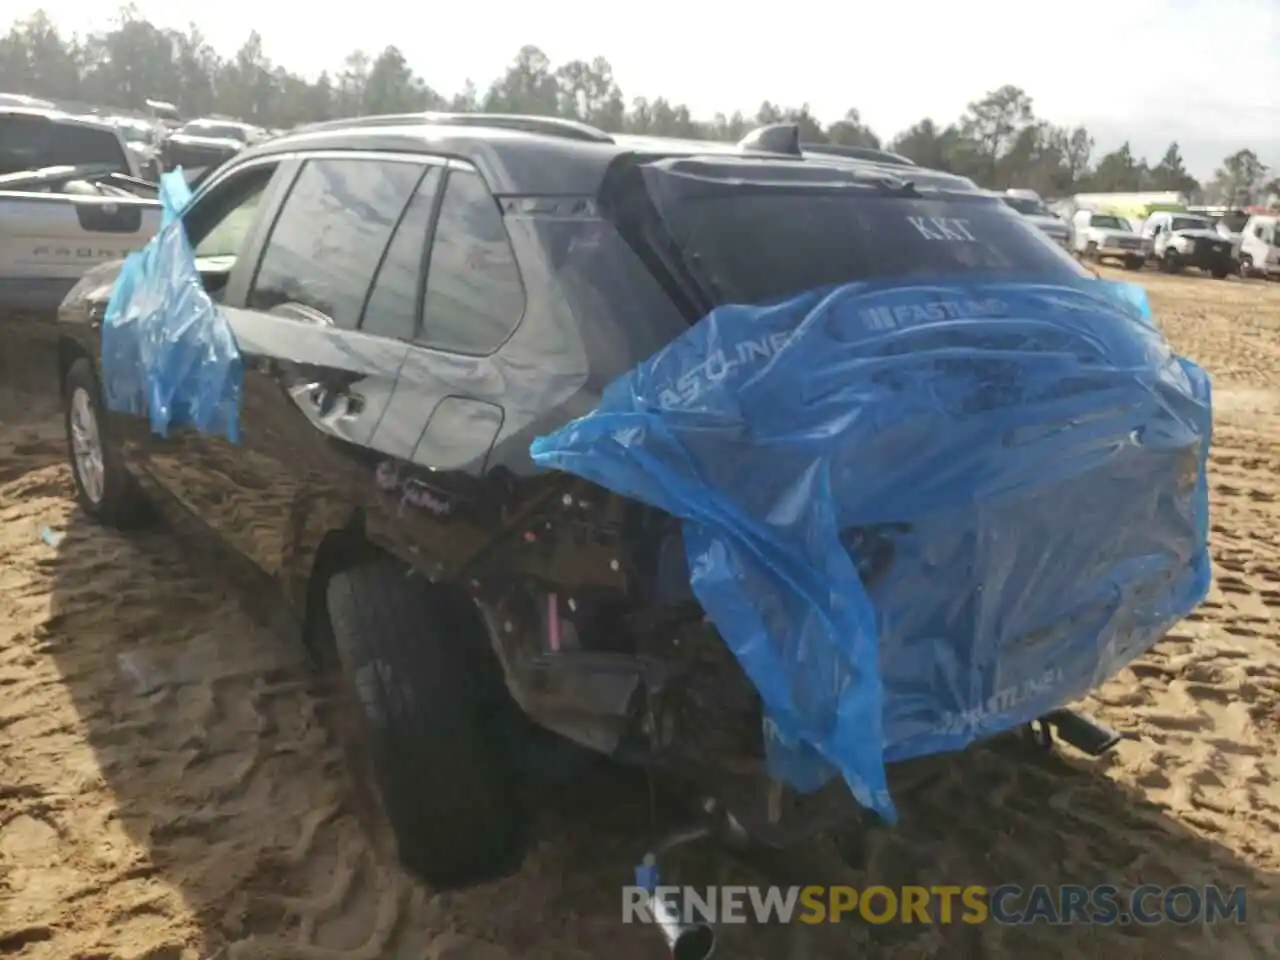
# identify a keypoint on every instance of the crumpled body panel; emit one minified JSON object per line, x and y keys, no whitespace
{"x":167,"y":351}
{"x":918,"y":515}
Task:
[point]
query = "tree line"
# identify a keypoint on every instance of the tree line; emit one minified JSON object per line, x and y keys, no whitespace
{"x":998,"y":141}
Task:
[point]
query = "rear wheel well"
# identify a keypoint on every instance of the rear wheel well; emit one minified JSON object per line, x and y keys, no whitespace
{"x":340,"y":550}
{"x":68,"y":353}
{"x":530,"y":748}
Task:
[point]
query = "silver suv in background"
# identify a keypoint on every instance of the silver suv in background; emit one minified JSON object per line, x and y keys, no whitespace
{"x":1029,"y":204}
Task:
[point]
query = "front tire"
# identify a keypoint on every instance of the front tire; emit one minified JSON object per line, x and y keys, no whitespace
{"x":104,"y":488}
{"x":1134,"y":263}
{"x":1170,"y":262}
{"x":432,"y":719}
{"x":1246,"y":266}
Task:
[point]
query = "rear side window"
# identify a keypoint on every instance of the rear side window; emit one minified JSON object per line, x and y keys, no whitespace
{"x":755,"y":249}
{"x":32,"y":142}
{"x":392,"y":310}
{"x":757,"y":244}
{"x":328,"y":239}
{"x":474,"y":296}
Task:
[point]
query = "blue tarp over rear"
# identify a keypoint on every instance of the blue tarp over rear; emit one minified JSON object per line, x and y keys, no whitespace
{"x":919,"y":515}
{"x":167,"y":352}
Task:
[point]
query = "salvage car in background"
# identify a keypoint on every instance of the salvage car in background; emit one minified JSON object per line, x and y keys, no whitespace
{"x":1029,"y":204}
{"x":164,"y":112}
{"x":1228,"y":221}
{"x":1106,"y":236}
{"x":206,"y":143}
{"x":1260,"y":246}
{"x":33,"y":137}
{"x":142,"y":138}
{"x":1180,"y":240}
{"x":70,"y":198}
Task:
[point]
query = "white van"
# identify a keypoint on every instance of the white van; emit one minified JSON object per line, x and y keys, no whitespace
{"x":1260,"y":246}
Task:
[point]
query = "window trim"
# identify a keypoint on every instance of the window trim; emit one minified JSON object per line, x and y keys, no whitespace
{"x":213,"y":183}
{"x":420,"y":294}
{"x":391,"y":238}
{"x":418,"y":341}
{"x":301,"y":158}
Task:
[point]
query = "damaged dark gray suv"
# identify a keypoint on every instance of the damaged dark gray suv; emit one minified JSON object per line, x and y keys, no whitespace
{"x":416,"y":299}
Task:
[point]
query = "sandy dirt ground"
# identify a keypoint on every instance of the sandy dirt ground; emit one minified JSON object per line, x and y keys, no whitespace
{"x":169,"y":789}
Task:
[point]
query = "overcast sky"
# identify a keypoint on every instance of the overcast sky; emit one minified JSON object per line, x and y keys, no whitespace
{"x":1203,"y":72}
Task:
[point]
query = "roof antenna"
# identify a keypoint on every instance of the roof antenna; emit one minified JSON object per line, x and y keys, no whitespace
{"x":774,"y":138}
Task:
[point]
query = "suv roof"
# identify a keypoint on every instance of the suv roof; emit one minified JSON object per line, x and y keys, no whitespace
{"x":544,"y":156}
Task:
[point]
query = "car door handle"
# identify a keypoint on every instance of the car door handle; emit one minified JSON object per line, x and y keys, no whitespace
{"x":329,"y":401}
{"x":269,"y":366}
{"x":335,"y":381}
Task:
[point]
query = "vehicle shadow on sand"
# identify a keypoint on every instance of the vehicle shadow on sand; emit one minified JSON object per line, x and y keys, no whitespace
{"x":172,"y":788}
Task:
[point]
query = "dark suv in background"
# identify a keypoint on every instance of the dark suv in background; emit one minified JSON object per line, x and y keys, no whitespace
{"x":205,"y":143}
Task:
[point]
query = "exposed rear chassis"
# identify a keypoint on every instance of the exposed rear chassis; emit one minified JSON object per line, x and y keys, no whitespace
{"x":615,"y":704}
{"x":689,"y":939}
{"x":587,"y":603}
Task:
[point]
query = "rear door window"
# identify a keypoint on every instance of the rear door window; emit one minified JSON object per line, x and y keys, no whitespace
{"x":474,"y":294}
{"x":328,"y":239}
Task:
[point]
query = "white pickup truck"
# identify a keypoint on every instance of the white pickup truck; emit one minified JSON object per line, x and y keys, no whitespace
{"x":1099,"y":236}
{"x":1184,"y":240}
{"x":70,"y":199}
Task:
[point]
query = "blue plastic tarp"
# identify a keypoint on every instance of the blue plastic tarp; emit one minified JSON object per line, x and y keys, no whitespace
{"x":168,"y":353}
{"x":918,"y":515}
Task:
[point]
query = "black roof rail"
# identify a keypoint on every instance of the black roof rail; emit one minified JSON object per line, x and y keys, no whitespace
{"x":548,"y":126}
{"x":858,"y":153}
{"x":774,"y":138}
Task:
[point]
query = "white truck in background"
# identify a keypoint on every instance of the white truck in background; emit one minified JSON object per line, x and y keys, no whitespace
{"x":1260,"y":246}
{"x":1101,"y":236}
{"x":1180,"y":240}
{"x":70,"y":199}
